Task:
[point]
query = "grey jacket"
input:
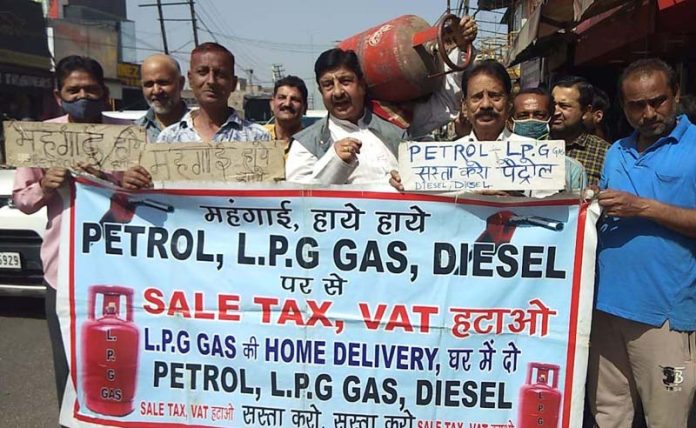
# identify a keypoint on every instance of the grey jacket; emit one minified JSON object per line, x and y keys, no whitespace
{"x":317,"y":138}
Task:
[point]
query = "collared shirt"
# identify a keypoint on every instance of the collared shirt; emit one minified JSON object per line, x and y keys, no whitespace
{"x":589,"y":150}
{"x":505,"y":135}
{"x":645,"y":271}
{"x":29,"y":198}
{"x":234,"y":129}
{"x":270,"y":127}
{"x":373,"y":164}
{"x":152,"y":125}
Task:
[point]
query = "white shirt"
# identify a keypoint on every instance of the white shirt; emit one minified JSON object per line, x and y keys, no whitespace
{"x":373,"y":165}
{"x":503,"y":136}
{"x":442,"y":106}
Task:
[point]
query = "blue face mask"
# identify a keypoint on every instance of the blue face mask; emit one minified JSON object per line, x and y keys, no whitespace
{"x":83,"y":108}
{"x":532,"y":128}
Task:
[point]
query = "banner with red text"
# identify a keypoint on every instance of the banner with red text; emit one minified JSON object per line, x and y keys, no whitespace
{"x":288,"y":307}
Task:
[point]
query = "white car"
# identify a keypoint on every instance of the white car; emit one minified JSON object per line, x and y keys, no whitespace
{"x":21,"y":235}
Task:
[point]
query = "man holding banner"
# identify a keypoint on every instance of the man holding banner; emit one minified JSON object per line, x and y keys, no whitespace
{"x":82,"y":94}
{"x":354,"y":144}
{"x":212,"y":80}
{"x":643,"y":343}
{"x":486,"y":89}
{"x":162,"y":84}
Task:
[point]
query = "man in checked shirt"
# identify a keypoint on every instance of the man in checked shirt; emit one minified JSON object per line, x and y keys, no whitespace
{"x":572,"y":96}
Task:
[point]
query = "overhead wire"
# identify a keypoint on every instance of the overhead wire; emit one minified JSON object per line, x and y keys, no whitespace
{"x":246,"y":60}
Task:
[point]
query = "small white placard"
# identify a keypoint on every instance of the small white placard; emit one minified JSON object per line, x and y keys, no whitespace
{"x":441,"y":166}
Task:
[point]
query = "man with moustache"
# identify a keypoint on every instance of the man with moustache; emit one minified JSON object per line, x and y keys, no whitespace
{"x":354,"y":145}
{"x":82,"y":94}
{"x":327,"y":152}
{"x":212,"y":79}
{"x":643,"y":337}
{"x":572,"y":96}
{"x":289,"y":104}
{"x":486,"y":99}
{"x":486,"y":91}
{"x":162,"y":84}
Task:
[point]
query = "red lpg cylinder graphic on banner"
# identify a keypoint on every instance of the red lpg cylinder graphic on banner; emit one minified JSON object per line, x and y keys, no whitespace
{"x":540,"y":402}
{"x":110,"y":352}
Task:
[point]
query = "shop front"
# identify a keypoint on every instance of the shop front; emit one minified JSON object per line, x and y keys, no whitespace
{"x":26,"y":81}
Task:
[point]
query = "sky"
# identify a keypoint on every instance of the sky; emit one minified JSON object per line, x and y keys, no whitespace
{"x":291,"y":33}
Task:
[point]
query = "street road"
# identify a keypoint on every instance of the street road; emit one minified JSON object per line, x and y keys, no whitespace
{"x":27,"y":386}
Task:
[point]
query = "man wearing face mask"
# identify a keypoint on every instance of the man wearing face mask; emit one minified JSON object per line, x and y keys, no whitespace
{"x":530,"y":116}
{"x":82,"y":94}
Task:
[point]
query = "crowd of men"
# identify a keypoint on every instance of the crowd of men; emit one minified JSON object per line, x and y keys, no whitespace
{"x":643,"y":345}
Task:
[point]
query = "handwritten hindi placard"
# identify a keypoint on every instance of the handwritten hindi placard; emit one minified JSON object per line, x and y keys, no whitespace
{"x":482,"y":165}
{"x":256,"y":161}
{"x":44,"y":145}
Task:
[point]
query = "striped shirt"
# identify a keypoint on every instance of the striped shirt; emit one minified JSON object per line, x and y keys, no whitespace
{"x":234,"y":129}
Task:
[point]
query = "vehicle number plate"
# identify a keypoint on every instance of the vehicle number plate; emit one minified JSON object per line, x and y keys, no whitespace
{"x":10,"y":261}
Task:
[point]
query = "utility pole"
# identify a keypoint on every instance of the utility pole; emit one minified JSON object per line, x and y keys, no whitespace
{"x":193,"y":21}
{"x":159,"y":6}
{"x":278,"y":72}
{"x":250,"y":73}
{"x":161,"y":20}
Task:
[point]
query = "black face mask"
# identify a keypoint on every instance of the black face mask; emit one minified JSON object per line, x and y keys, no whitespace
{"x":83,"y":108}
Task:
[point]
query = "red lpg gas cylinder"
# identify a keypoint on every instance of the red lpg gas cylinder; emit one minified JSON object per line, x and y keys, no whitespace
{"x":540,"y":402}
{"x":402,"y":59}
{"x":110,"y":352}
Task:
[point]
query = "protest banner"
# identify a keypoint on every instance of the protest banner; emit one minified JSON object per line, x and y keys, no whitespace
{"x":118,"y":147}
{"x":440,"y":166}
{"x":282,"y":306}
{"x":44,"y":145}
{"x":240,"y":161}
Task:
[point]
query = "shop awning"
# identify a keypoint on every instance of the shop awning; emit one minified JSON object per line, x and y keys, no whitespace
{"x":634,"y":31}
{"x":551,"y":24}
{"x":546,"y":27}
{"x":585,"y":9}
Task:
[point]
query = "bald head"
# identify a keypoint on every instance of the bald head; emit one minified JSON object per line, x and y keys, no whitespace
{"x":162,"y":83}
{"x":161,"y":60}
